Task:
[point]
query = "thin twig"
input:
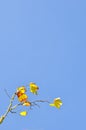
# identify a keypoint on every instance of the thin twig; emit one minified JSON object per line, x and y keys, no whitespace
{"x":34,"y":103}
{"x":12,"y":111}
{"x":40,"y":101}
{"x":7,"y":93}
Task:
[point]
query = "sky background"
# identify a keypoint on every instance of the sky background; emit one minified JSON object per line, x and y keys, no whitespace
{"x":44,"y":41}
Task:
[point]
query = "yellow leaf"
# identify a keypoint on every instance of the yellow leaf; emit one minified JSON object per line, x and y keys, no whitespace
{"x":33,"y":88}
{"x":21,"y":89}
{"x":23,"y":98}
{"x":23,"y":113}
{"x":56,"y":103}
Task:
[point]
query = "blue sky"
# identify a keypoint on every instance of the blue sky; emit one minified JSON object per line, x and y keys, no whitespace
{"x":44,"y":41}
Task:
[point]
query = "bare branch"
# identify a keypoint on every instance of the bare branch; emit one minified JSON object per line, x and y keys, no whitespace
{"x":8,"y":109}
{"x":11,"y":107}
{"x":34,"y":103}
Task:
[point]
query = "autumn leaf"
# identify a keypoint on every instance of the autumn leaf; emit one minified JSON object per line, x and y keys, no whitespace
{"x":33,"y":88}
{"x":21,"y":90}
{"x":56,"y":103}
{"x":23,"y":113}
{"x":23,"y":98}
{"x":27,"y":103}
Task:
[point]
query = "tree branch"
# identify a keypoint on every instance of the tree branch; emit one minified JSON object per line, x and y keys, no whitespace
{"x":8,"y":109}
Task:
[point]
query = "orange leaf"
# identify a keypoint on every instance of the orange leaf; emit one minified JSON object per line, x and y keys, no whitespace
{"x":27,"y":103}
{"x":23,"y":98}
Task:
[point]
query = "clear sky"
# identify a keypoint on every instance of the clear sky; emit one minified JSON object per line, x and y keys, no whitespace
{"x":44,"y":41}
